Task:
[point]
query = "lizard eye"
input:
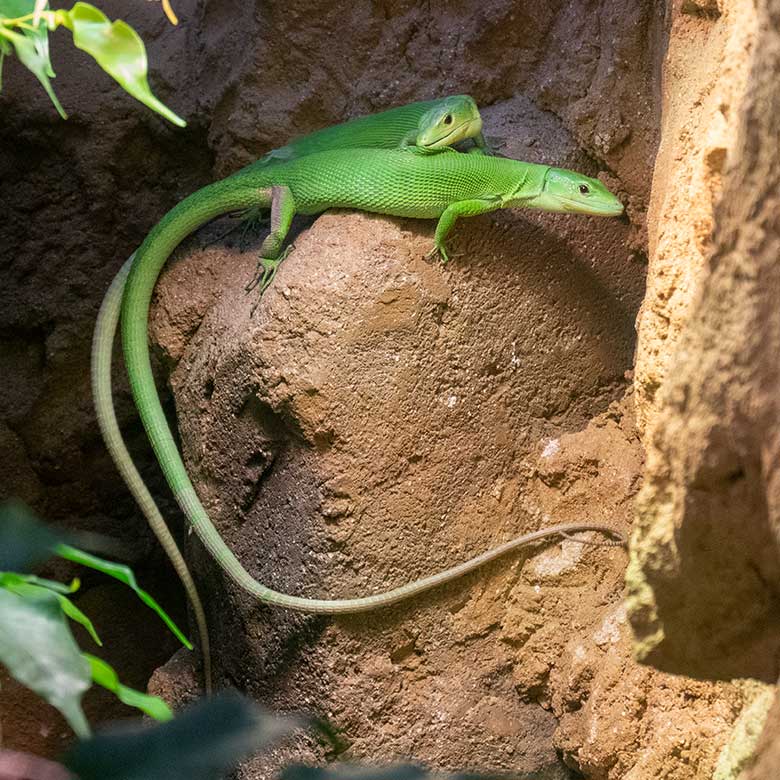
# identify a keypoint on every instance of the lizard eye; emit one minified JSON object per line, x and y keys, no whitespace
{"x":584,"y":189}
{"x":448,"y":119}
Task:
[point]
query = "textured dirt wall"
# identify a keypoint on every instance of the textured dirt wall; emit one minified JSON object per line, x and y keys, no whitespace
{"x":705,"y":565}
{"x":77,"y":197}
{"x":708,"y":501}
{"x":705,"y":76}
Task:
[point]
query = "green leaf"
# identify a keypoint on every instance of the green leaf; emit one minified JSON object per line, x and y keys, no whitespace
{"x":123,"y":574}
{"x":10,"y":578}
{"x":39,"y":651}
{"x":31,"y":45}
{"x":200,"y":744}
{"x":118,"y":49}
{"x":104,"y":675}
{"x":39,"y":33}
{"x":10,"y":9}
{"x":29,"y":586}
{"x":75,"y":614}
{"x":24,"y":540}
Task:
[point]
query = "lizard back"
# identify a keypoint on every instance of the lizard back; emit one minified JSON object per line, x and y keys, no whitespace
{"x":397,"y":182}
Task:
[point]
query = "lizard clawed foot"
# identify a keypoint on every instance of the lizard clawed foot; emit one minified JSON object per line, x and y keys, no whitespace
{"x":265,"y":273}
{"x":250,"y":220}
{"x":439,"y":251}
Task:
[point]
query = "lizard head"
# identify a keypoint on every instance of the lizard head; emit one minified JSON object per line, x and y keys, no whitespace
{"x":573,"y":192}
{"x":451,"y":120}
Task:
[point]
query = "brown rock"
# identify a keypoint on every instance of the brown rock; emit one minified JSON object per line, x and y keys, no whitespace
{"x":766,"y":763}
{"x":500,"y":402}
{"x":381,"y":411}
{"x":703,"y":579}
{"x":706,"y":560}
{"x":705,"y":78}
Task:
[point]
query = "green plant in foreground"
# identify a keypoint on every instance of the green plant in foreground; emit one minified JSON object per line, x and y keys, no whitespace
{"x":36,"y":644}
{"x":116,"y":46}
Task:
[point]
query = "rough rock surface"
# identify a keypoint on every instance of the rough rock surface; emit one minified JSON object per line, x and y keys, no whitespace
{"x":468,"y":366}
{"x":710,"y":501}
{"x":532,"y":656}
{"x":705,"y":76}
{"x":703,"y":580}
{"x":766,"y":762}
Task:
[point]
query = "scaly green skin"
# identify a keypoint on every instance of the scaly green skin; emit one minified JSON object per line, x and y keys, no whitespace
{"x":429,"y":125}
{"x":401,"y":183}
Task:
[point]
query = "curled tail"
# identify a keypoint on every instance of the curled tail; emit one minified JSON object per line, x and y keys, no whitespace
{"x":193,"y":212}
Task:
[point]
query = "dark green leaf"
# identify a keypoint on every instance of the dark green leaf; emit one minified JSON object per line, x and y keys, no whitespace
{"x":104,"y":675}
{"x":123,"y":574}
{"x":201,"y":744}
{"x":118,"y":49}
{"x":31,"y":45}
{"x":24,"y":540}
{"x":39,"y":651}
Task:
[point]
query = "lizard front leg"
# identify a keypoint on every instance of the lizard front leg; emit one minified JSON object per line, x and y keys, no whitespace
{"x":481,"y":146}
{"x":462,"y":208}
{"x":271,"y":255}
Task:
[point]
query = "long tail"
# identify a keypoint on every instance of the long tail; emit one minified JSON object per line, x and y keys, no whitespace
{"x":102,"y":348}
{"x":190,"y":214}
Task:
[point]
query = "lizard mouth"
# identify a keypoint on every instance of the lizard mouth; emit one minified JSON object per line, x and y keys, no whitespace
{"x":457,"y":130}
{"x":593,"y":208}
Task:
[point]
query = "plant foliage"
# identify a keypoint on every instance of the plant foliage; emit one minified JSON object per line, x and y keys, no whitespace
{"x":39,"y":651}
{"x":36,"y":644}
{"x":115,"y":46}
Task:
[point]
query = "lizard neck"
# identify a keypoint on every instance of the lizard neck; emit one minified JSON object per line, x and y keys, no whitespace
{"x":527,"y":184}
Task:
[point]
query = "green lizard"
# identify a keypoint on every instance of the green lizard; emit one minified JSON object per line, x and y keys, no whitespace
{"x":427,"y":125}
{"x":403,"y":183}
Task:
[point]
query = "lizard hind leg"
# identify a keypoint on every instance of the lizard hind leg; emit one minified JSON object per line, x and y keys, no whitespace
{"x":271,"y":255}
{"x":249,"y":221}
